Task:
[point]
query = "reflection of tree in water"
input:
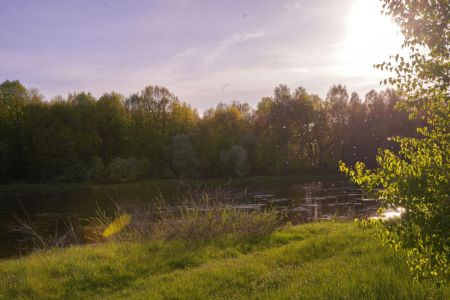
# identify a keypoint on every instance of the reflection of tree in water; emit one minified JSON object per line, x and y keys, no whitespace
{"x":311,"y":192}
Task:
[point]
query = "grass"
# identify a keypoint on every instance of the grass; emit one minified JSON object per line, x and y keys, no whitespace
{"x":154,"y":185}
{"x":327,"y":260}
{"x":198,"y":217}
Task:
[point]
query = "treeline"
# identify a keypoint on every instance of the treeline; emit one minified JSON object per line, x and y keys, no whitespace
{"x":153,"y":134}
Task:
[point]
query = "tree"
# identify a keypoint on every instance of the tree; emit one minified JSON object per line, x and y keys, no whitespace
{"x":285,"y":126}
{"x":77,"y":138}
{"x":219,"y":129}
{"x":149,"y":128}
{"x":184,"y":158}
{"x":111,"y":125}
{"x":13,"y":98}
{"x":418,"y":176}
{"x":355,"y":135}
{"x":235,"y":162}
{"x":338,"y":99}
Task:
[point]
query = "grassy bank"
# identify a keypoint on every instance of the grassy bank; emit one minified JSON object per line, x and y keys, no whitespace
{"x":314,"y":261}
{"x":153,"y":185}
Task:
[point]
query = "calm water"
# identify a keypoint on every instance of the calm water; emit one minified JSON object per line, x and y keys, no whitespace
{"x":301,"y":202}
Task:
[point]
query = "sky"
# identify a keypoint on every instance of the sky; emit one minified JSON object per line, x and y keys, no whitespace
{"x":204,"y":51}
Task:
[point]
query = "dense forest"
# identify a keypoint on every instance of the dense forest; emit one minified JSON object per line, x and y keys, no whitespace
{"x":154,"y":134}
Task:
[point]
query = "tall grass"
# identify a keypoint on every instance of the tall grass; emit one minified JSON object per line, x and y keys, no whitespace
{"x":38,"y":237}
{"x":196,"y":216}
{"x":207,"y":218}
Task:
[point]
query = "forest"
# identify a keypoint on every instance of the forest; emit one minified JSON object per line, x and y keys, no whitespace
{"x":153,"y":134}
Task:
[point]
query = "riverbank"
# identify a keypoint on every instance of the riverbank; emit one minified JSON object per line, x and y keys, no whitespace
{"x":326,"y":260}
{"x":152,"y":185}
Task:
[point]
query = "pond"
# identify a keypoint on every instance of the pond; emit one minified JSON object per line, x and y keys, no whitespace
{"x":303,"y":202}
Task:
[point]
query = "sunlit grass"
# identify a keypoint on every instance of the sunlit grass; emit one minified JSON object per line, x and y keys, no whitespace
{"x":314,"y":261}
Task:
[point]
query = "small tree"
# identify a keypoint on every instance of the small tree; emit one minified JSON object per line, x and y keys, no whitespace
{"x":234,"y":161}
{"x":184,"y":158}
{"x":417,"y":178}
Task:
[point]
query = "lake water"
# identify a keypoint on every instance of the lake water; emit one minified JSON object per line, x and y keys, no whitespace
{"x":303,"y":202}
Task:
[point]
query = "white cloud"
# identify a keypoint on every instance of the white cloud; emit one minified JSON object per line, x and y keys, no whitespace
{"x":299,"y":70}
{"x":187,"y":53}
{"x":233,"y":39}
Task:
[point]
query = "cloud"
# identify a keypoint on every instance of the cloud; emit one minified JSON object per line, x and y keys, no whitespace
{"x":299,"y":70}
{"x":187,"y":53}
{"x":295,"y":4}
{"x":233,"y":39}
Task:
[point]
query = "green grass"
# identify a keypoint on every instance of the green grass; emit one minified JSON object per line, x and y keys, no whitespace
{"x":314,"y":261}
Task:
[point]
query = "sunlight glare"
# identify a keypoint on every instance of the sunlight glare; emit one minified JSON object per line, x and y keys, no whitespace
{"x":371,"y":37}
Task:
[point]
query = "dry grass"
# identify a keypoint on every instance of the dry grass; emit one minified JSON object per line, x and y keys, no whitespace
{"x":206,"y":219}
{"x":37,"y":237}
{"x":199,"y":215}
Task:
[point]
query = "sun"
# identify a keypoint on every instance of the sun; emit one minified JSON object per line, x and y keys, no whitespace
{"x":370,"y":37}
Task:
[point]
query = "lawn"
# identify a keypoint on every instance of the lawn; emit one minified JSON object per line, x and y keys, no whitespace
{"x":329,"y":260}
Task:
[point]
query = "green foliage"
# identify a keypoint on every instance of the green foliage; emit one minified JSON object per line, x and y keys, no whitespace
{"x":417,"y":177}
{"x":128,"y":169}
{"x":13,"y":99}
{"x":4,"y":158}
{"x":75,"y":139}
{"x":184,"y":158}
{"x":156,"y":115}
{"x":112,"y":122}
{"x":235,"y":162}
{"x":221,"y":128}
{"x":97,"y":171}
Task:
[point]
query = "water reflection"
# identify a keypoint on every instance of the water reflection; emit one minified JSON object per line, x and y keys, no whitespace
{"x":390,"y":213}
{"x":299,"y":202}
{"x":318,"y":201}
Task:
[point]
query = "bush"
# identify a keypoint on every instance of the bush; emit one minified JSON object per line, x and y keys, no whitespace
{"x":184,"y":158}
{"x":128,"y":169}
{"x":234,"y":161}
{"x":417,"y":176}
{"x":96,"y":169}
{"x":74,"y":170}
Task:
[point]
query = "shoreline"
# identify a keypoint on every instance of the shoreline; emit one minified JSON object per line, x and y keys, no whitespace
{"x":22,"y":189}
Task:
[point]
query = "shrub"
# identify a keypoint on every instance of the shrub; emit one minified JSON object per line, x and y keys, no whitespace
{"x":74,"y":170}
{"x":234,"y":161}
{"x":417,"y":177}
{"x":96,"y":169}
{"x":184,"y":158}
{"x":128,"y":169}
